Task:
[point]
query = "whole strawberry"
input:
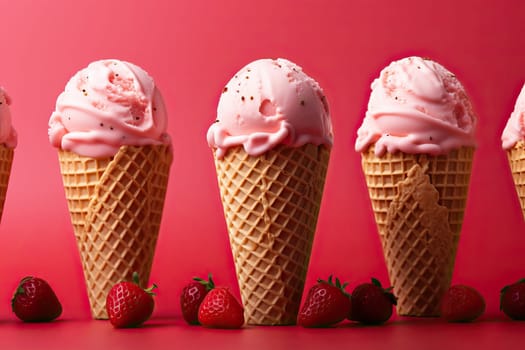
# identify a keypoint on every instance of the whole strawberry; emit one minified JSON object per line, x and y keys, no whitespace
{"x":128,"y":305}
{"x":326,"y":304}
{"x":512,"y":300}
{"x":220,"y":309}
{"x":35,"y":301}
{"x":461,"y":304}
{"x":192,"y":296}
{"x":371,"y":303}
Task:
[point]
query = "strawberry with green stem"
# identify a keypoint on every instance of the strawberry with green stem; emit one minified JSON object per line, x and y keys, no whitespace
{"x":35,"y":301}
{"x":371,"y":303}
{"x":220,"y":309}
{"x":128,"y":305}
{"x":192,"y":296}
{"x":326,"y":304}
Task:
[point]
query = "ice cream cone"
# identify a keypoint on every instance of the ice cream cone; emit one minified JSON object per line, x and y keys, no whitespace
{"x":516,"y":156}
{"x":116,"y":207}
{"x":6,"y":160}
{"x":271,"y":204}
{"x":419,"y":256}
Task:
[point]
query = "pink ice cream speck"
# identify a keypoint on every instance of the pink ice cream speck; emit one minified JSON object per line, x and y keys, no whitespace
{"x":515,"y":128}
{"x":109,"y":104}
{"x":267,"y":103}
{"x":417,"y":106}
{"x":8,"y":135}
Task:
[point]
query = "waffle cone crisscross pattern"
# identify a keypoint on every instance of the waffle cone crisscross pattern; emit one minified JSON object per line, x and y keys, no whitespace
{"x":412,"y":262}
{"x":271,"y":204}
{"x":6,"y":160}
{"x":417,"y":244}
{"x":516,"y":156}
{"x":116,"y":207}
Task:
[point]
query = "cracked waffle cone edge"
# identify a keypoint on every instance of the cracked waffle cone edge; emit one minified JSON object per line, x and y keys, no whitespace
{"x":450,"y":175}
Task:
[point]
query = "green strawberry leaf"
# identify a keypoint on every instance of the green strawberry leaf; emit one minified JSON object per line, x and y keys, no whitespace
{"x":209,"y":284}
{"x":376,"y":282}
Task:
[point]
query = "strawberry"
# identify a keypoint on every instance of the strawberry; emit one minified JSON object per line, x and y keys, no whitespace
{"x":191,"y":297}
{"x":325,"y":305}
{"x":128,"y":305}
{"x":371,"y":303}
{"x":35,"y":301}
{"x":512,"y":300}
{"x":461,"y":304}
{"x":220,"y":309}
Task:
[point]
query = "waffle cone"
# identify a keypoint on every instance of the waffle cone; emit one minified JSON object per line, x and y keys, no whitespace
{"x":6,"y":160}
{"x":516,"y":156}
{"x":419,"y":233}
{"x":271,"y":204}
{"x":116,"y":207}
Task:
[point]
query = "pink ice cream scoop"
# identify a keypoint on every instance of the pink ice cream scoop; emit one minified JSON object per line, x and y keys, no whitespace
{"x":8,"y":136}
{"x":267,"y":103}
{"x":417,"y":106}
{"x":515,"y":129}
{"x":109,"y":104}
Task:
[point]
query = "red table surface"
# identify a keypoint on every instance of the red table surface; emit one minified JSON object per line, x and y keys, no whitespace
{"x":487,"y":333}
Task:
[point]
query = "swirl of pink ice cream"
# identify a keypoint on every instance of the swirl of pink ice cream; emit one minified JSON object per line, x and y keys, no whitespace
{"x":106,"y":105}
{"x":8,"y":135}
{"x":515,"y":128}
{"x":417,"y":106}
{"x":267,"y":103}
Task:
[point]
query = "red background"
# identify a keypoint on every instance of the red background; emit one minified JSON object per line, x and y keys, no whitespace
{"x":192,"y":48}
